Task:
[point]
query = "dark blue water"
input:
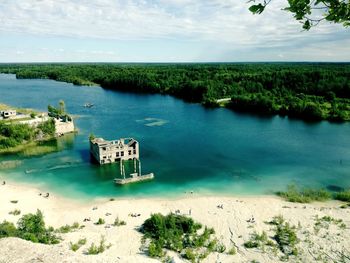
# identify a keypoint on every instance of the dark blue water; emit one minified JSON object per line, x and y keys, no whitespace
{"x":187,"y":146}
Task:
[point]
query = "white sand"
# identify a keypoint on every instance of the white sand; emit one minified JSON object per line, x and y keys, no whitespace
{"x":125,"y":240}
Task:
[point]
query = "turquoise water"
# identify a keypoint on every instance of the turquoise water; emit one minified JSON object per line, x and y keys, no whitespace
{"x":188,"y":147}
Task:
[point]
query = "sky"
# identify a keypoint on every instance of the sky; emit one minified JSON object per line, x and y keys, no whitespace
{"x":161,"y":31}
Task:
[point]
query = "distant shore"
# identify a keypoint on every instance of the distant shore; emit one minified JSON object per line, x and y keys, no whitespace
{"x":229,"y":216}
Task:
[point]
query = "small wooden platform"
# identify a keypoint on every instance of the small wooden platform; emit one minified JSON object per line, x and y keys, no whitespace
{"x":134,"y":179}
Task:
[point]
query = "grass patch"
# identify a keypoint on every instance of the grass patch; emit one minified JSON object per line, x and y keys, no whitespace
{"x":68,"y":228}
{"x":306,"y":195}
{"x":180,"y":234}
{"x":94,"y":249}
{"x":342,"y":196}
{"x":118,"y":222}
{"x":76,"y":246}
{"x":232,"y":251}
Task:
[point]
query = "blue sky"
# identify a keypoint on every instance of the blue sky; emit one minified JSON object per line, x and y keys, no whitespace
{"x":161,"y":31}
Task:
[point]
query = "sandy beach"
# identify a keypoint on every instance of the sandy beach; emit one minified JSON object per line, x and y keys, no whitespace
{"x":230,"y":223}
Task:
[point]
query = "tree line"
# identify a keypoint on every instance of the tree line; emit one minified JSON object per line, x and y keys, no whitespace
{"x":312,"y":91}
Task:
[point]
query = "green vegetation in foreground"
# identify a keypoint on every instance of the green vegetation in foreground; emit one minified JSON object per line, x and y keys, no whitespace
{"x":94,"y":249}
{"x":307,"y":195}
{"x":180,"y":234}
{"x":30,"y":227}
{"x":311,"y":91}
{"x":284,"y":239}
{"x":76,"y":246}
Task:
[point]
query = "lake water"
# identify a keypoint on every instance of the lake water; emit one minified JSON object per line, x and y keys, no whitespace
{"x":188,"y":147}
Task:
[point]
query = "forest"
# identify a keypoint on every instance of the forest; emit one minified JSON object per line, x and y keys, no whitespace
{"x":309,"y":91}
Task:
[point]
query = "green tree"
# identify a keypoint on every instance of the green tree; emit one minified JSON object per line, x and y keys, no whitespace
{"x":311,"y":13}
{"x":62,"y":107}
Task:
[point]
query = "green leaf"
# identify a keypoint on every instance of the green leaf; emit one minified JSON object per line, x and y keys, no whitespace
{"x":307,"y":25}
{"x":257,"y":9}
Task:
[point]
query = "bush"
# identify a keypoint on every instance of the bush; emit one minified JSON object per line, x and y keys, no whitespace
{"x":32,"y":227}
{"x":286,"y":238}
{"x":232,"y":251}
{"x":293,"y":194}
{"x":13,"y":134}
{"x":48,"y":127}
{"x":100,"y":221}
{"x":29,"y":227}
{"x":7,"y":229}
{"x":180,"y":234}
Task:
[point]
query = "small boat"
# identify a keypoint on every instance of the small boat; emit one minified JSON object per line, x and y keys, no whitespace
{"x":88,"y":105}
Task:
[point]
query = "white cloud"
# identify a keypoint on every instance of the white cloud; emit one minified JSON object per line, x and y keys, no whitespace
{"x":224,"y":20}
{"x":224,"y":23}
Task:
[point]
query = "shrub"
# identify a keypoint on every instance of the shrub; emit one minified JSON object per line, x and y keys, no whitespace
{"x":7,"y":229}
{"x":286,"y":238}
{"x":48,"y":127}
{"x":32,"y":227}
{"x":74,"y":246}
{"x":221,"y":248}
{"x":100,"y":221}
{"x":180,"y":234}
{"x":232,"y":251}
{"x":29,"y":227}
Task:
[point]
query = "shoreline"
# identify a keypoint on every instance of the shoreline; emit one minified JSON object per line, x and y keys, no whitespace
{"x":98,"y":199}
{"x":230,"y":223}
